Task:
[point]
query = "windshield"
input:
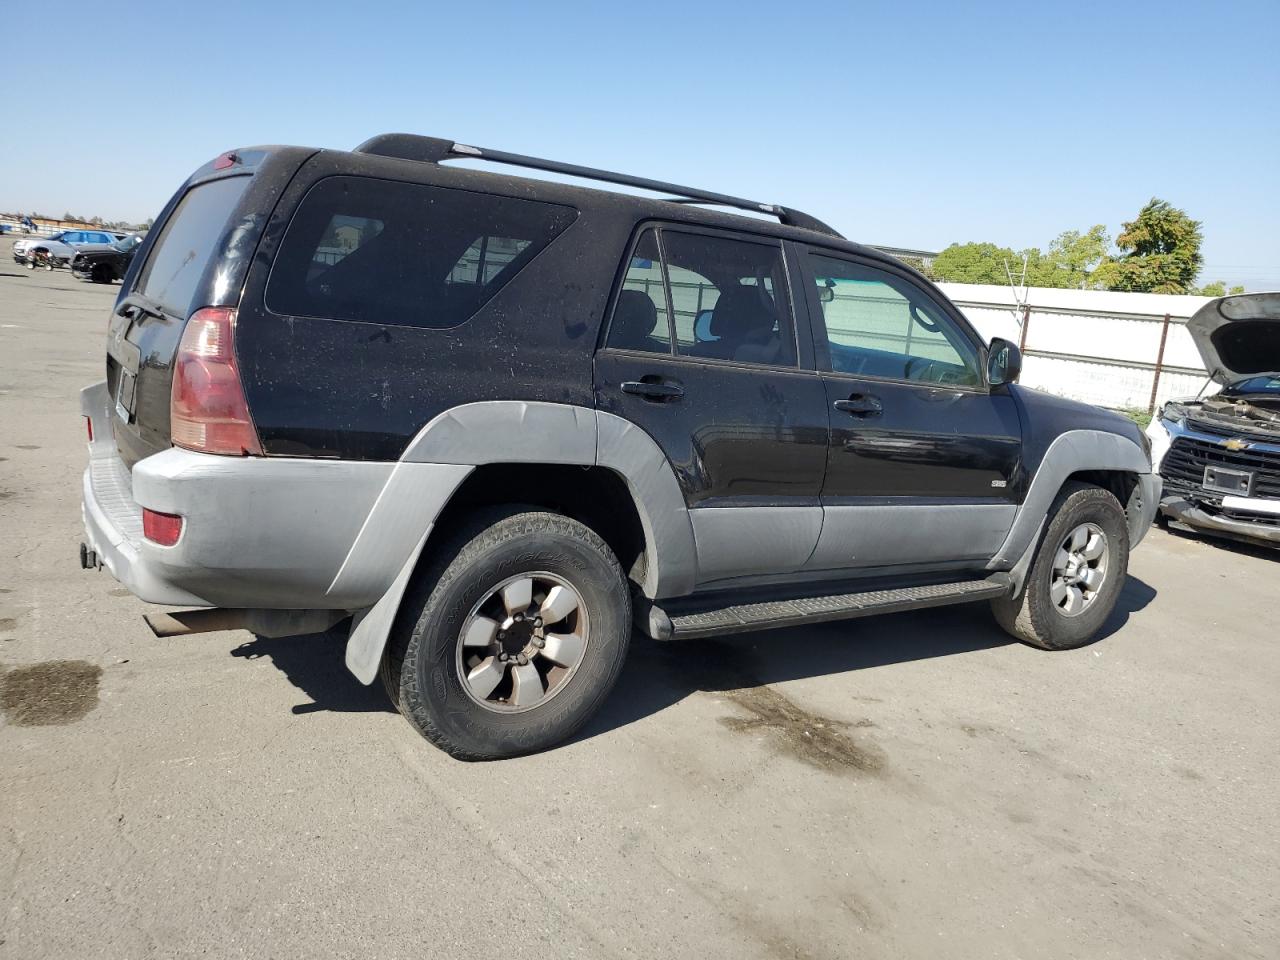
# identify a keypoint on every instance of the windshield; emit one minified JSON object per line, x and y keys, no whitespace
{"x":127,"y":244}
{"x":1256,"y":385}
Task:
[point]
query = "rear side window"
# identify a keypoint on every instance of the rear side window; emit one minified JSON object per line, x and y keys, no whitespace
{"x":186,"y":243}
{"x":405,"y":254}
{"x":729,"y":299}
{"x":640,"y":315}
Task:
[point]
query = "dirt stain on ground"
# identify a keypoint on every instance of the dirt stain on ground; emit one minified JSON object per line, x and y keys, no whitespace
{"x":7,"y":623}
{"x":818,"y":741}
{"x":28,"y":446}
{"x":53,"y":692}
{"x":121,"y":592}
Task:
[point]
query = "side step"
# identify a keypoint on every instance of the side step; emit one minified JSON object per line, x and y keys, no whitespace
{"x":843,"y":606}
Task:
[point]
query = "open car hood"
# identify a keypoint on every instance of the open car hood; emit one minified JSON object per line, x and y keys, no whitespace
{"x":1239,"y":336}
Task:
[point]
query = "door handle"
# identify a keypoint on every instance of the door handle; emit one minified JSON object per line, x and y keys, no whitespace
{"x":657,"y":390}
{"x":860,"y":405}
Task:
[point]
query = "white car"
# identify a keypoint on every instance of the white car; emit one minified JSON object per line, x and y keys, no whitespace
{"x":1220,"y":455}
{"x":61,"y":247}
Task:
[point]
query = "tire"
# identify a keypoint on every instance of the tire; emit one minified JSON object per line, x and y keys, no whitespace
{"x":431,"y":674}
{"x":1039,"y":614}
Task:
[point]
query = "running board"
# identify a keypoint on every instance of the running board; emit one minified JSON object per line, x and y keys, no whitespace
{"x":843,"y":606}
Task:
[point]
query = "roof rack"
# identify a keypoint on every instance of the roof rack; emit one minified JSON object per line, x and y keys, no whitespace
{"x":409,"y":146}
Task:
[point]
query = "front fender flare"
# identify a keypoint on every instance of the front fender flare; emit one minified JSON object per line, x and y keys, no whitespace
{"x":1072,"y":452}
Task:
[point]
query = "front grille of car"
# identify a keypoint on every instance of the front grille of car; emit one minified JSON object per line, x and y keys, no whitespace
{"x":1188,"y":457}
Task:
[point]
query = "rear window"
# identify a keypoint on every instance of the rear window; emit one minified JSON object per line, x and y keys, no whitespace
{"x":404,"y":254}
{"x":186,"y":243}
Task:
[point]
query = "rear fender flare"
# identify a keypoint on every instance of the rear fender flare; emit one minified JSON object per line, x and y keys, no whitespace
{"x":512,"y":431}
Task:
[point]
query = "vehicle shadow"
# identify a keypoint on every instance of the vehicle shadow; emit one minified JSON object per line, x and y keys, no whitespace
{"x":657,"y":675}
{"x":1243,"y":548}
{"x":314,"y":664}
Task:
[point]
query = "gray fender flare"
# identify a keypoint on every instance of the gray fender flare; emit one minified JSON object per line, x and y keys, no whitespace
{"x":445,"y":451}
{"x":1070,"y":453}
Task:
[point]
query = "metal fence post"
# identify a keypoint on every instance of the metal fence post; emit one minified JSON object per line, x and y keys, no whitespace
{"x":1155,"y":380}
{"x":1026,"y":320}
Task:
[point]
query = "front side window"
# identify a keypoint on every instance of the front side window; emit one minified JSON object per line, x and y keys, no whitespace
{"x":879,"y":325}
{"x":728,"y":296}
{"x":407,"y":254}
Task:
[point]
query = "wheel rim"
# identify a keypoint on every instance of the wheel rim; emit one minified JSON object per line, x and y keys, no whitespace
{"x":1079,"y":570}
{"x":523,"y":642}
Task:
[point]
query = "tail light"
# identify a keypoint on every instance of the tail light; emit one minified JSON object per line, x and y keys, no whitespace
{"x":88,"y":423}
{"x":207,"y":411}
{"x":161,"y":528}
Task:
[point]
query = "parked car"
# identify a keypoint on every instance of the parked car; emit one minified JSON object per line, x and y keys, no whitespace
{"x":1220,"y":455}
{"x":103,"y":266}
{"x":57,"y":250}
{"x":474,"y":413}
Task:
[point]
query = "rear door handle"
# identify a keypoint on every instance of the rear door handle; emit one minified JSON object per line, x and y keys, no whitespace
{"x":860,"y":405}
{"x":654,"y":389}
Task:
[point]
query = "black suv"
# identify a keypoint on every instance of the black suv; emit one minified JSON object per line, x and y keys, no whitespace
{"x":496,"y":422}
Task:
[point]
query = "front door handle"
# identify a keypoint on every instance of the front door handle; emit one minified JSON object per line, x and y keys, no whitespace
{"x":654,"y":389}
{"x":860,"y":405}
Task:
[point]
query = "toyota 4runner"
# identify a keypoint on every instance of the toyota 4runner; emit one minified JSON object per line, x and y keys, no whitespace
{"x":493,"y":423}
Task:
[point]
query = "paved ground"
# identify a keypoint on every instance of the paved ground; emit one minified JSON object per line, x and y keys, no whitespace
{"x":912,"y":786}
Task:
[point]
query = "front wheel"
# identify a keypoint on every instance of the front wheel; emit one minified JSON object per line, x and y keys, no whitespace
{"x":516,"y":636}
{"x":1076,"y":575}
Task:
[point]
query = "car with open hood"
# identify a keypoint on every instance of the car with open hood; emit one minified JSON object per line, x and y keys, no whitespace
{"x":1220,"y":455}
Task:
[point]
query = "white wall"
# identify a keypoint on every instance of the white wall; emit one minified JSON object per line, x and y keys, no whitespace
{"x":1123,"y":328}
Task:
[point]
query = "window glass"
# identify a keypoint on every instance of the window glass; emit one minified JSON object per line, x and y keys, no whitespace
{"x":729,"y":299}
{"x":640,"y":315}
{"x":879,"y":325}
{"x":186,"y":243}
{"x":380,"y":251}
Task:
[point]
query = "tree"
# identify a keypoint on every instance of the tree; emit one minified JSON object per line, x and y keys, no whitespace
{"x":1218,"y":289}
{"x":976,"y":263}
{"x":1161,"y":252}
{"x":915,"y":263}
{"x":1071,"y":259}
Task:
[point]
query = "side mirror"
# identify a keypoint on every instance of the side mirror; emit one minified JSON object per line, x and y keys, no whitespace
{"x":827,"y":292}
{"x":1004,"y":362}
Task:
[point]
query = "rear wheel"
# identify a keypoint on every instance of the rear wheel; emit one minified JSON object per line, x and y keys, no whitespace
{"x":514,"y":638}
{"x":1076,"y":575}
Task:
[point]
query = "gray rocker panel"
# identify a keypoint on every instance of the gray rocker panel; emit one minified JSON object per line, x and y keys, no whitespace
{"x":884,"y":534}
{"x":1070,"y":453}
{"x":742,"y":541}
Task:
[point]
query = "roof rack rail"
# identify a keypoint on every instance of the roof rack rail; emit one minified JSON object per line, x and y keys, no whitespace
{"x":409,"y":146}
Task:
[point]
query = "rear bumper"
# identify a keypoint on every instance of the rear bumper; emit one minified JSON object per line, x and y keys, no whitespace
{"x":1186,"y":511}
{"x":262,"y":532}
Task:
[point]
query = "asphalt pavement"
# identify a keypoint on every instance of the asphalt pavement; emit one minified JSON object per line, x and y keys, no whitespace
{"x":909,"y":786}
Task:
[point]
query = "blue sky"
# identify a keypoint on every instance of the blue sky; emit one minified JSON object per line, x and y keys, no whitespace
{"x":916,"y":124}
